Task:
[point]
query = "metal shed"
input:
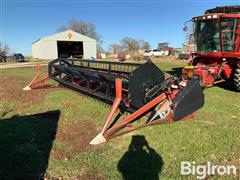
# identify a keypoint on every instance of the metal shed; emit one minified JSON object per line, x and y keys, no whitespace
{"x":64,"y":44}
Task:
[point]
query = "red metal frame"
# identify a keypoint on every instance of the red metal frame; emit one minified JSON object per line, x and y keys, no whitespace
{"x":39,"y":83}
{"x":125,"y":124}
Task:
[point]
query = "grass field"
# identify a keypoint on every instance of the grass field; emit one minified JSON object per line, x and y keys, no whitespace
{"x":49,"y":131}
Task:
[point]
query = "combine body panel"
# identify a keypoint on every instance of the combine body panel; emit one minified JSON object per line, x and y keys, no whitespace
{"x":217,"y":39}
{"x":137,"y":91}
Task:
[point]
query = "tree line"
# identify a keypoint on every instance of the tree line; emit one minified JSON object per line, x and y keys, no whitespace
{"x":88,"y":29}
{"x":129,"y":44}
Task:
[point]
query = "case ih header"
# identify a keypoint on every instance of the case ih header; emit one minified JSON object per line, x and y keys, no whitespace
{"x":217,"y":37}
{"x":140,"y":94}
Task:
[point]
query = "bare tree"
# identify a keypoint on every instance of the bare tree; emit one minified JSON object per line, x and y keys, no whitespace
{"x":131,"y":44}
{"x":4,"y":51}
{"x":114,"y":48}
{"x":144,"y":45}
{"x":100,"y":49}
{"x":85,"y":28}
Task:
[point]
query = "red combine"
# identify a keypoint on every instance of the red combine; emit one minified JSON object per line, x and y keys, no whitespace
{"x":164,"y":47}
{"x":120,"y":56}
{"x":217,"y":38}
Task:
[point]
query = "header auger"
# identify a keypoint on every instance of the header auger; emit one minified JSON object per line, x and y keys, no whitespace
{"x":140,"y":94}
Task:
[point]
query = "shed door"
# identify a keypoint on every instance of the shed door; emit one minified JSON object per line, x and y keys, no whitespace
{"x":68,"y":49}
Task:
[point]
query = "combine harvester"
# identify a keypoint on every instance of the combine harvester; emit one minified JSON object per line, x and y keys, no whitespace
{"x":217,"y":38}
{"x":140,"y":94}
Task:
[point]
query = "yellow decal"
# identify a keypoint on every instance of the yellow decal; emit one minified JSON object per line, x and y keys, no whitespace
{"x":69,"y":35}
{"x":189,"y":67}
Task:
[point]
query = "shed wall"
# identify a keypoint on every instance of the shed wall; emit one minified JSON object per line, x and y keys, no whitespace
{"x":46,"y":48}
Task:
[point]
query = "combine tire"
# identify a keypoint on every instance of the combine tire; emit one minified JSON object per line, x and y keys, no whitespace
{"x":236,"y":79}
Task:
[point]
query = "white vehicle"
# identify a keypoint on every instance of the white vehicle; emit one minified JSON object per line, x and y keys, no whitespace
{"x":155,"y":53}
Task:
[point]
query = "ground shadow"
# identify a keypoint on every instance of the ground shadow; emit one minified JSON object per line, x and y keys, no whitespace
{"x":140,"y":161}
{"x":227,"y":85}
{"x":25,"y":144}
{"x":175,"y":71}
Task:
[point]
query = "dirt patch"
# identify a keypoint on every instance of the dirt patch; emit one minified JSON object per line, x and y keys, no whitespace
{"x":85,"y":173}
{"x":11,"y":90}
{"x":67,"y":105}
{"x":89,"y":174}
{"x":75,"y":137}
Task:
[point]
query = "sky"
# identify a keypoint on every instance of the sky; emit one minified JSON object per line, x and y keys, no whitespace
{"x":23,"y":22}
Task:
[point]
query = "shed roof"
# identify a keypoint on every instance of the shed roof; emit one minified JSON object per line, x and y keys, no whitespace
{"x":67,"y":35}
